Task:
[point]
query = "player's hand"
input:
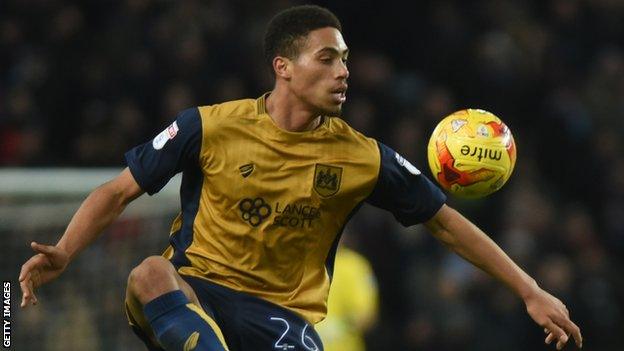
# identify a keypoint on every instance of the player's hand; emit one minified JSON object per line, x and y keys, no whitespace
{"x":552,"y":315}
{"x":46,"y":265}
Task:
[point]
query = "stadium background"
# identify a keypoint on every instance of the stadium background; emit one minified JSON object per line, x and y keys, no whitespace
{"x":81,"y":82}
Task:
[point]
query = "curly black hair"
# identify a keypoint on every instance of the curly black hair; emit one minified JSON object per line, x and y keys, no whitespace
{"x":287,"y":30}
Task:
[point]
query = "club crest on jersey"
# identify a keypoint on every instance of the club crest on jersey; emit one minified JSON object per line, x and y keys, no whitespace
{"x":161,"y":139}
{"x":327,"y":179}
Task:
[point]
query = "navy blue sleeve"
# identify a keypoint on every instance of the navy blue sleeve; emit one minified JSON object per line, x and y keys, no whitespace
{"x":154,"y":163}
{"x":404,"y":191}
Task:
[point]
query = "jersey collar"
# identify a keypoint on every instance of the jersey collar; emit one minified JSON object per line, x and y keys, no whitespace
{"x":285,"y":134}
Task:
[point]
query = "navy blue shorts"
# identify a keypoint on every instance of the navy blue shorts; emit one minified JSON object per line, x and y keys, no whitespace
{"x":249,"y":323}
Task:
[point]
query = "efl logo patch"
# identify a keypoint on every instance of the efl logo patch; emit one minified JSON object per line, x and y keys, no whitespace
{"x":405,"y":163}
{"x":161,"y":139}
{"x":327,"y":179}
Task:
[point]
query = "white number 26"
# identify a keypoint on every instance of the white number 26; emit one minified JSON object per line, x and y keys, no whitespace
{"x":306,"y":340}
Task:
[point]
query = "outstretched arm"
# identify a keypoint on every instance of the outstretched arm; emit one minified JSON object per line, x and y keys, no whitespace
{"x":95,"y":214}
{"x":467,"y":240}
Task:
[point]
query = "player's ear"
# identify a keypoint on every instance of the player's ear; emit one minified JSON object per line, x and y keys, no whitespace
{"x":282,"y":67}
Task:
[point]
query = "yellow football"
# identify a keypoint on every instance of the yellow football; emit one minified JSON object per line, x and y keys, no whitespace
{"x":471,"y":153}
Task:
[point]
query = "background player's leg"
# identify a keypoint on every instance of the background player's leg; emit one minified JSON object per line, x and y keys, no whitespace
{"x":171,"y":308}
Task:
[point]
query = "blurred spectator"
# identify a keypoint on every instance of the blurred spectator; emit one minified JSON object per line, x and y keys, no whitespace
{"x":352,"y":302}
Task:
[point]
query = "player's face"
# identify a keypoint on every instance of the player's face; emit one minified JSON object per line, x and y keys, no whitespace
{"x":319,"y":75}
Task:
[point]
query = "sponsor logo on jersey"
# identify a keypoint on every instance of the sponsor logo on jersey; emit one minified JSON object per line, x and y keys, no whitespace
{"x":161,"y":139}
{"x":246,"y":170}
{"x":405,"y":163}
{"x":327,"y":179}
{"x":292,"y":215}
{"x":254,"y":211}
{"x":295,"y":215}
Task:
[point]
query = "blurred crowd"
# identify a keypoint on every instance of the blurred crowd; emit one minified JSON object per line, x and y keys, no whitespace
{"x":82,"y":82}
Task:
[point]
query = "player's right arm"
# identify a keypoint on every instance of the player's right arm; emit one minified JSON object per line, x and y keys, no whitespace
{"x":150,"y":166}
{"x":95,"y":214}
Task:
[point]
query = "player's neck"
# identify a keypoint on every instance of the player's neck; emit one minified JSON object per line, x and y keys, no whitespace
{"x":289,"y":113}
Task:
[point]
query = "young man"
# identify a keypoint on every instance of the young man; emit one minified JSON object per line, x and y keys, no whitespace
{"x":268,"y":185}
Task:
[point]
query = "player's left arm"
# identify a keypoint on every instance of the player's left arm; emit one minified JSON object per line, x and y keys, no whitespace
{"x":471,"y":243}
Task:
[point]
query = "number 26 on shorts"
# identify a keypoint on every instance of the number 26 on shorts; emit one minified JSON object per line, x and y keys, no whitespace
{"x":306,"y":341}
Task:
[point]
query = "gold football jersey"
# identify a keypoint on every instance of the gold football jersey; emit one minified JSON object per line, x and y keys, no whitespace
{"x":262,"y":208}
